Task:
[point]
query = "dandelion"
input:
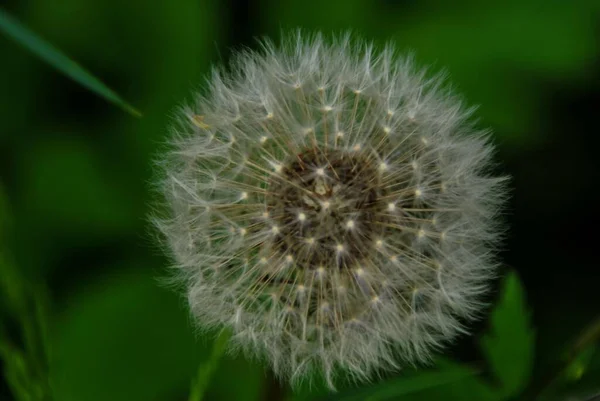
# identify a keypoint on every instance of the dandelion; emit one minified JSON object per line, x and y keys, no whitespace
{"x":332,"y":206}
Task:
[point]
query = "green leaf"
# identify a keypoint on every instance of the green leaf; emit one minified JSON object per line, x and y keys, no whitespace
{"x":406,"y":385}
{"x":66,"y":185}
{"x":55,"y":58}
{"x":509,"y":346}
{"x":471,"y":388}
{"x":123,"y":337}
{"x":551,"y":39}
{"x":409,"y":382}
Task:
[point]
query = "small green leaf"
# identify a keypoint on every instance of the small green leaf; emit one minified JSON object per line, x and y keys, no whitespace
{"x":60,"y":61}
{"x":509,"y":346}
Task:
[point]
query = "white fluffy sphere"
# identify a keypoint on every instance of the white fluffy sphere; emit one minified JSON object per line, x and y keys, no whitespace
{"x":332,"y":206}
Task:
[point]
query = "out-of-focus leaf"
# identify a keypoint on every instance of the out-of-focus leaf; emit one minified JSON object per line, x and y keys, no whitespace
{"x":58,"y":60}
{"x":409,"y":382}
{"x":403,"y":386}
{"x":126,"y":338}
{"x":509,"y":345}
{"x":123,"y":338}
{"x":66,"y":186}
{"x":489,"y":47}
{"x":469,"y":388}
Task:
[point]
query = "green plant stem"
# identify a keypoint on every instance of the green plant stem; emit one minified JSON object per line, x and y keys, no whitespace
{"x":206,"y":369}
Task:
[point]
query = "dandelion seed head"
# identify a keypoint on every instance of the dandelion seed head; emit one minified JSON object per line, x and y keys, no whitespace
{"x":315,"y":191}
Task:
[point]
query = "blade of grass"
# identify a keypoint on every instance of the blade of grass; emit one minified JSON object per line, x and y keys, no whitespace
{"x":61,"y":62}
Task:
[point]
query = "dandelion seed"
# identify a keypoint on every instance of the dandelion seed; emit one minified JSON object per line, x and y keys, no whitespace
{"x":340,"y":289}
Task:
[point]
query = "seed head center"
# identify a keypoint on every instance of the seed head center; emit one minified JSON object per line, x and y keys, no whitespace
{"x":327,"y":207}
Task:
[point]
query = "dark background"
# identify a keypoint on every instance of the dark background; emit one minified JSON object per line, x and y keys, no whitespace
{"x":76,"y":170}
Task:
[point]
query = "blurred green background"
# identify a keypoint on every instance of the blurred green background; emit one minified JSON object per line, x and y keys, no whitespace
{"x":76,"y":170}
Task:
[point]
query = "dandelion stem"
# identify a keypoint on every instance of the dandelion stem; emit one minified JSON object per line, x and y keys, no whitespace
{"x":206,"y":369}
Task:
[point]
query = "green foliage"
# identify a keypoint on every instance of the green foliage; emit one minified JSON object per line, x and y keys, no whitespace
{"x":24,"y":305}
{"x":61,"y":62}
{"x":509,"y":346}
{"x":490,"y":67}
{"x":68,"y":185}
{"x":127,"y":338}
{"x":117,"y":334}
{"x":121,"y":338}
{"x":407,"y":384}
